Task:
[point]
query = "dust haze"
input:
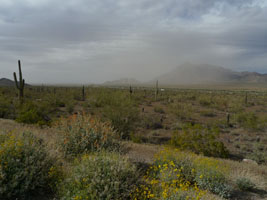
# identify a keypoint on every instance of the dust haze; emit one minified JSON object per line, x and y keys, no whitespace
{"x":95,"y":41}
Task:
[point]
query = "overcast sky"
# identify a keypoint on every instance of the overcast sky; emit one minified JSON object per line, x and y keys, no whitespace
{"x":85,"y":41}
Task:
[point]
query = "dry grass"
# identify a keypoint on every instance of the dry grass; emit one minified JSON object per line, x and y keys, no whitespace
{"x":48,"y":135}
{"x":144,"y":153}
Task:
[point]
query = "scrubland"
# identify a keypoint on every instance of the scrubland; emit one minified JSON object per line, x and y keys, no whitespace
{"x":112,"y":143}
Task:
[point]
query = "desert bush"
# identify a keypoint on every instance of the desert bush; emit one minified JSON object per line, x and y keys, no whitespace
{"x":182,"y":111}
{"x":100,"y":176}
{"x":205,"y":101}
{"x":123,"y":114}
{"x":208,"y":113}
{"x":258,"y":156}
{"x":199,"y":139}
{"x":209,"y":178}
{"x":70,"y":106}
{"x":83,"y":134}
{"x":183,"y":175}
{"x":6,"y":108}
{"x":249,"y":120}
{"x":30,"y":113}
{"x":24,"y":166}
{"x":159,"y":110}
{"x":245,"y":184}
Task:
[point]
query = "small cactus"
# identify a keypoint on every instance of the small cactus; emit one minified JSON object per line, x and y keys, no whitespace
{"x":157,"y":90}
{"x":228,"y":119}
{"x":20,"y":85}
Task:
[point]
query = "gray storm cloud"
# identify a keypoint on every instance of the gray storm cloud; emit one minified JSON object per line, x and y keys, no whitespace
{"x":85,"y":41}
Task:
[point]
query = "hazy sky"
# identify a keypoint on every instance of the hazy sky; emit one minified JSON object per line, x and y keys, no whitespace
{"x":84,"y":41}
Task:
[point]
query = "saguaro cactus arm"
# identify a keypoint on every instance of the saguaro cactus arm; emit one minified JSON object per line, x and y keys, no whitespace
{"x":20,"y":85}
{"x":16,"y":81}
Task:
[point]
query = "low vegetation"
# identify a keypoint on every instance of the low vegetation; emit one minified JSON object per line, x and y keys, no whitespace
{"x":78,"y":143}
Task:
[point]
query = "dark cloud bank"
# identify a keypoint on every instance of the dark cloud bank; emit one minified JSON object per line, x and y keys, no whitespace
{"x":85,"y":41}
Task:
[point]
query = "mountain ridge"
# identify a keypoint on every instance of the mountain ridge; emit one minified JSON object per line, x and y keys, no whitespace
{"x":5,"y":82}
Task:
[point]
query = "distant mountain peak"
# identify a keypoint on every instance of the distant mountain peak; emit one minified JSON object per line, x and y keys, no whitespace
{"x":6,"y":82}
{"x":189,"y":73}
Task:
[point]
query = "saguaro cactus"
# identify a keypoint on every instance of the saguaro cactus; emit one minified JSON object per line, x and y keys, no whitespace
{"x":246,"y":98}
{"x":20,"y":85}
{"x":228,"y":119}
{"x":157,"y":90}
{"x":130,"y":90}
{"x":83,"y":93}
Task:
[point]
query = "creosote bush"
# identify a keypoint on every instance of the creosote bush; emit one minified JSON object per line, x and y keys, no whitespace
{"x":83,"y":134}
{"x":24,"y":166}
{"x":100,"y":176}
{"x":249,"y":120}
{"x":30,"y":113}
{"x":200,"y":140}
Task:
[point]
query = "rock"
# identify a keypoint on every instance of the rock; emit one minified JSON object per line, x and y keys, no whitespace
{"x":250,"y":161}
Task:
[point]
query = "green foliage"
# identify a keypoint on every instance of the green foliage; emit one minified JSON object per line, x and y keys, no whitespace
{"x":182,"y":111}
{"x":176,"y":174}
{"x":70,"y":106}
{"x":29,"y":113}
{"x":84,"y":134}
{"x":123,"y":114}
{"x":213,"y":180}
{"x":258,"y":156}
{"x":205,"y":101}
{"x":245,"y":184}
{"x":158,"y":109}
{"x":199,"y":140}
{"x":100,"y":176}
{"x":249,"y":120}
{"x":24,"y":166}
{"x":135,"y":138}
{"x":6,"y":108}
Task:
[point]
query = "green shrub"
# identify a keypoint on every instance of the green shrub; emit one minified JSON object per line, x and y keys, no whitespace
{"x":123,"y":114}
{"x":244,"y":184}
{"x":6,"y":108}
{"x":258,"y":156}
{"x":82,"y":134}
{"x":159,"y":110}
{"x":176,"y":174}
{"x":214,"y":181}
{"x":199,"y":139}
{"x":70,"y":106}
{"x":100,"y":176}
{"x":204,"y":101}
{"x":29,"y":113}
{"x":24,"y":166}
{"x":182,"y":111}
{"x":248,"y":120}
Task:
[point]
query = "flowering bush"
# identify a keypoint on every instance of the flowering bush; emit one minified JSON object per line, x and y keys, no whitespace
{"x":100,"y":176}
{"x":182,"y":175}
{"x":82,"y":134}
{"x":24,"y":166}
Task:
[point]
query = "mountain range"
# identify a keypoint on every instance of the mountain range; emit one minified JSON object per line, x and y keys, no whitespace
{"x":187,"y":74}
{"x":5,"y":82}
{"x":199,"y":74}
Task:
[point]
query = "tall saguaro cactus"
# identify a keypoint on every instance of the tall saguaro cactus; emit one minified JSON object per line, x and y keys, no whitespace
{"x":20,"y":85}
